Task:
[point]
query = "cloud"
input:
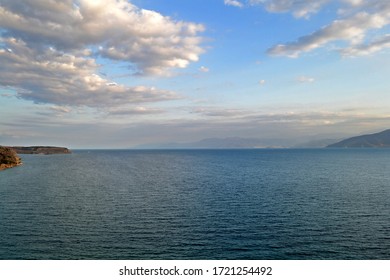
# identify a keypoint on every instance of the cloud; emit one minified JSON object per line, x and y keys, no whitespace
{"x":367,"y":49}
{"x":262,"y":82}
{"x":356,"y":18}
{"x":351,"y":30}
{"x":300,"y":8}
{"x":135,"y":111}
{"x":48,"y":50}
{"x":234,"y":3}
{"x":60,"y":109}
{"x":50,"y":76}
{"x":204,"y":69}
{"x":305,"y":79}
{"x":7,"y":95}
{"x":209,"y":121}
{"x":219,"y":112}
{"x":152,"y":42}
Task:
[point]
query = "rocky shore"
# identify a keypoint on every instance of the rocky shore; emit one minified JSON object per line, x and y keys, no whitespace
{"x":8,"y":158}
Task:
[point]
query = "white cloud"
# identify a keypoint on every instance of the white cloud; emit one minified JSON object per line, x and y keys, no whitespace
{"x":204,"y":69}
{"x":299,"y":8}
{"x":305,"y":79}
{"x":152,"y":42}
{"x":356,"y":19}
{"x":48,"y":49}
{"x":55,"y":77}
{"x":352,"y":30}
{"x":368,"y":49}
{"x":355,"y":2}
{"x":262,"y":82}
{"x":234,"y":3}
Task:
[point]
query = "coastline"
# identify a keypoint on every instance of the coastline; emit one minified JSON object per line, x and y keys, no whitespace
{"x":9,"y":158}
{"x":8,"y":166}
{"x":9,"y":155}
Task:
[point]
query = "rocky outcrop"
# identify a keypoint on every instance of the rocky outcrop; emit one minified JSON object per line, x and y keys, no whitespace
{"x":8,"y":158}
{"x":41,"y":150}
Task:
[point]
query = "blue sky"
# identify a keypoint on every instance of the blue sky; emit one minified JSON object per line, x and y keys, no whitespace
{"x":116,"y":74}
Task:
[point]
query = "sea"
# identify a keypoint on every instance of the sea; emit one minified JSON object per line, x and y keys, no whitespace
{"x":274,"y":204}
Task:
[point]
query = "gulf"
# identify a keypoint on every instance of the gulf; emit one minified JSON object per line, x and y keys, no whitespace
{"x":198,"y":204}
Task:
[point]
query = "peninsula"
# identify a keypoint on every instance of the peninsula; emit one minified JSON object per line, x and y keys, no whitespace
{"x":8,"y":158}
{"x":41,"y":150}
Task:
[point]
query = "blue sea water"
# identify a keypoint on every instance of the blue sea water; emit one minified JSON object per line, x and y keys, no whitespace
{"x":198,"y":204}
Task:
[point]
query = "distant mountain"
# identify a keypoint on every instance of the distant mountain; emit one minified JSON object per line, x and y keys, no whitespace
{"x":212,"y":143}
{"x":376,"y":140}
{"x":230,"y":142}
{"x":320,"y":143}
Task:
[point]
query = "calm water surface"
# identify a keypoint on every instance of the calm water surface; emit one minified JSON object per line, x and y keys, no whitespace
{"x":199,"y":204}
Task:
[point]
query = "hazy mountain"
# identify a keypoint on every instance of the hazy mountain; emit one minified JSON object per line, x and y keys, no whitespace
{"x":320,"y":143}
{"x":380,"y":140}
{"x":216,"y":143}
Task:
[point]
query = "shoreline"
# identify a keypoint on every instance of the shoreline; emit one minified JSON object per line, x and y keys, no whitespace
{"x":8,"y":166}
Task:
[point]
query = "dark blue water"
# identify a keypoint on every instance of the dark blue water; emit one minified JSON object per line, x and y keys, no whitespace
{"x":201,"y":204}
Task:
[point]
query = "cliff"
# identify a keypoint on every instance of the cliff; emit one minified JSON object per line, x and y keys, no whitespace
{"x":376,"y":140}
{"x":8,"y":158}
{"x":42,"y":150}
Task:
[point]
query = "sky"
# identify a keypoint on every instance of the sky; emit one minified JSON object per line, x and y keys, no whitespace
{"x":118,"y":73}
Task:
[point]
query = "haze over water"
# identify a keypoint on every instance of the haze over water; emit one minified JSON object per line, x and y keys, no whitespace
{"x":198,"y":204}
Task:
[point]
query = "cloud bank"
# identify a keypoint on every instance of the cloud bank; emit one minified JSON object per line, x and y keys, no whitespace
{"x":48,"y":49}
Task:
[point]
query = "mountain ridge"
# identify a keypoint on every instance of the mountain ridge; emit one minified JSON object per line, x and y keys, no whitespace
{"x":374,"y":140}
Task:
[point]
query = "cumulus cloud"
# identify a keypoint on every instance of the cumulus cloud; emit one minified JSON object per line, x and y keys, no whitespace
{"x":357,"y":18}
{"x":147,"y":39}
{"x":48,"y":49}
{"x":55,"y":77}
